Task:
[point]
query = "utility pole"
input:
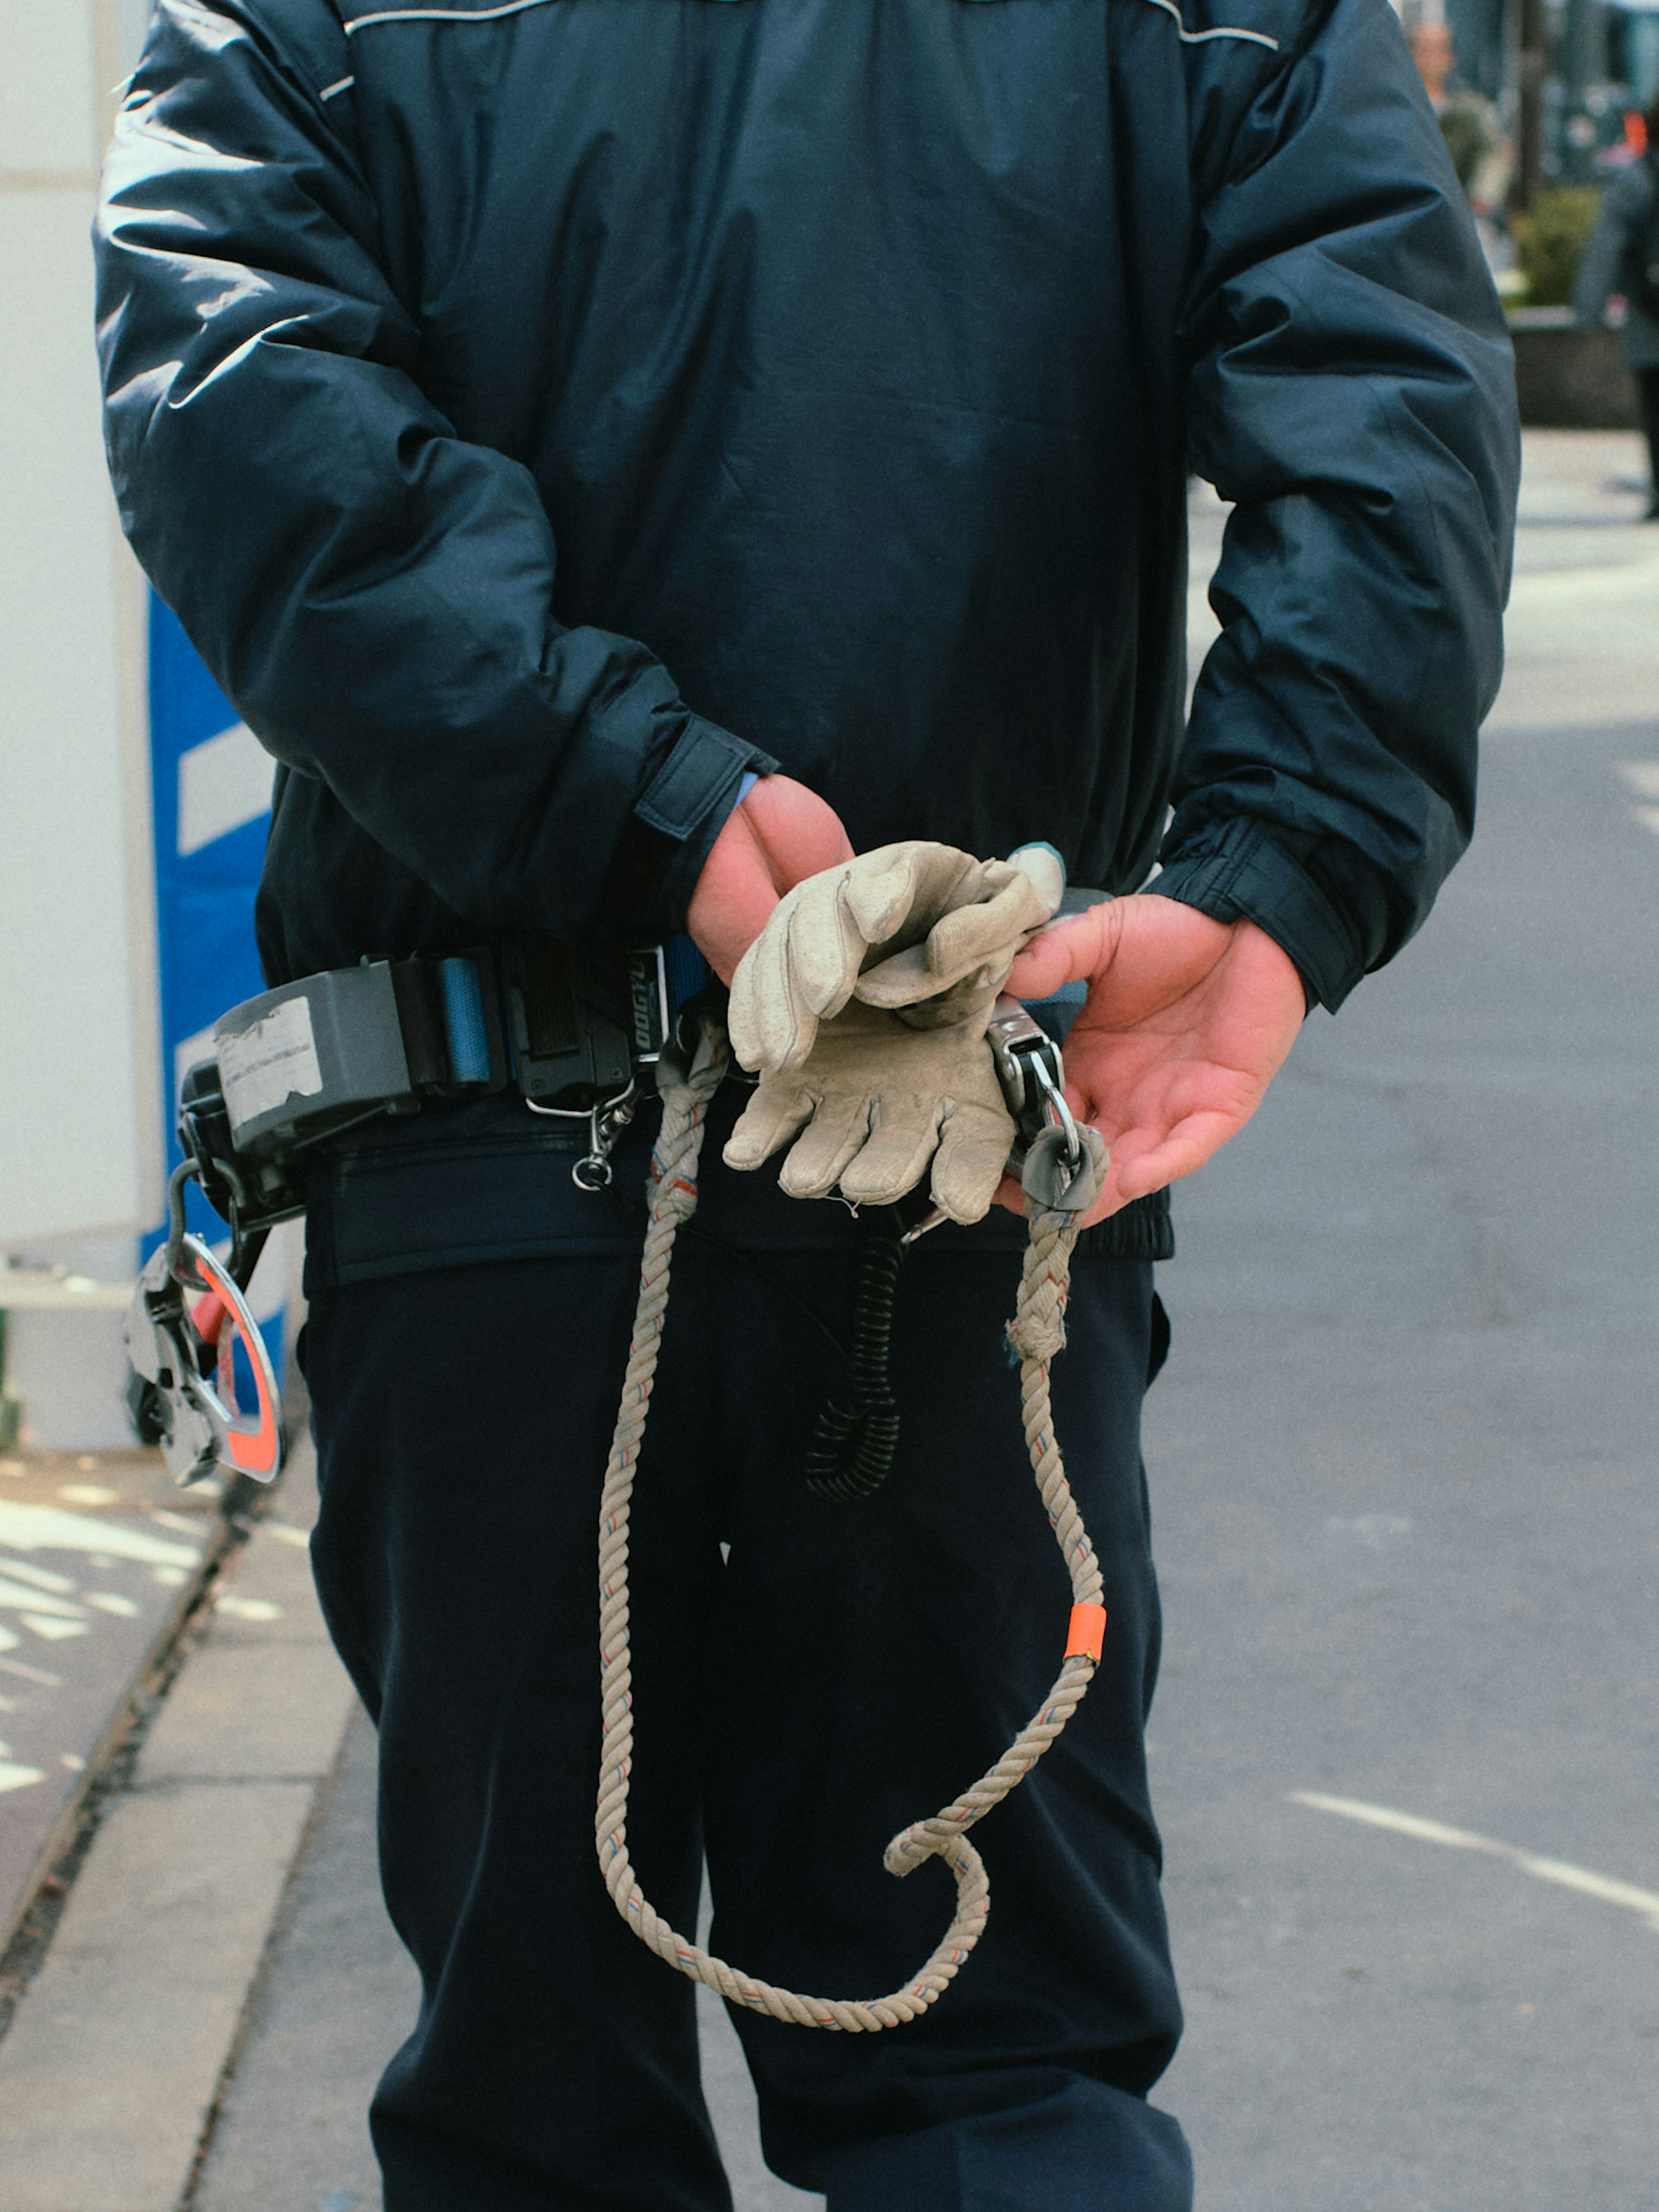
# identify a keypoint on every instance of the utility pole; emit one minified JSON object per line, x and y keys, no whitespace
{"x":1529,"y":132}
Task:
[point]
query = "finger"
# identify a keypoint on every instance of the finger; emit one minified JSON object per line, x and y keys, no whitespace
{"x":1145,"y":1159}
{"x":1188,"y":1146}
{"x":903,"y":1135}
{"x":972,"y":1156}
{"x":1010,"y":1193}
{"x":839,"y":1127}
{"x":1074,"y":950}
{"x":766,"y":1123}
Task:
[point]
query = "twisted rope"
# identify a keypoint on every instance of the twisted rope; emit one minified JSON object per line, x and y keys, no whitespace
{"x":1037,"y":1334}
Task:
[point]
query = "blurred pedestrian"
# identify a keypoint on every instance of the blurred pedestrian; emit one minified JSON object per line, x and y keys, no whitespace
{"x":1470,"y":124}
{"x":1619,"y":279}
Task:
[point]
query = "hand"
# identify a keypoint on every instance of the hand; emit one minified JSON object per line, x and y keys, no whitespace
{"x":1187,"y":1021}
{"x":781,"y":833}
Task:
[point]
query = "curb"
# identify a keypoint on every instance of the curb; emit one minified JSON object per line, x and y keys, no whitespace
{"x":113,"y":2068}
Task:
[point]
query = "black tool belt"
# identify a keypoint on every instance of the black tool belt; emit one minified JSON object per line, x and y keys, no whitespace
{"x":569,"y":1026}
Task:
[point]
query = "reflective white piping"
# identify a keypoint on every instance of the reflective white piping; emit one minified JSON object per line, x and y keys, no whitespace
{"x":440,"y":15}
{"x":516,"y":7}
{"x":338,"y":85}
{"x":1198,"y":38}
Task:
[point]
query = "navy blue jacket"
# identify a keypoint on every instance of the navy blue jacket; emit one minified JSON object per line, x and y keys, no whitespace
{"x":536,"y":413}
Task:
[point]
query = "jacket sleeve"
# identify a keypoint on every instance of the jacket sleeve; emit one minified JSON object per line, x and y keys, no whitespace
{"x":1352,"y":389}
{"x":372,"y":592}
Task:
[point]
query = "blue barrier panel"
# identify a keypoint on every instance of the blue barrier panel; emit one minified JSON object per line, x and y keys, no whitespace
{"x":211,"y":798}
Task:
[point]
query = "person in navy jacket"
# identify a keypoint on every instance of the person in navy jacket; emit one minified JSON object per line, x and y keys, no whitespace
{"x":619,"y":456}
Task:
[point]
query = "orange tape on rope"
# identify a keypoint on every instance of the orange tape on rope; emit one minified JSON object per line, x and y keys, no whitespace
{"x":1087,"y":1633}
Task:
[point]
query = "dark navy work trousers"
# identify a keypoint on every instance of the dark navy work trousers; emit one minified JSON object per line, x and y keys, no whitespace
{"x":841,"y":1670}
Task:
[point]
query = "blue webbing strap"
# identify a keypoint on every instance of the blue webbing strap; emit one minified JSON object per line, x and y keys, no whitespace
{"x":463,"y":1018}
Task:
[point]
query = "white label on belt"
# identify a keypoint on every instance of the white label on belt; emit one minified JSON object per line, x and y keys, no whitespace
{"x":275,"y":1060}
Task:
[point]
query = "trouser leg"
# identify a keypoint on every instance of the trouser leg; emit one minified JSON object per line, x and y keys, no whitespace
{"x":1648,"y":382}
{"x":876,"y":1658}
{"x":463,"y":1423}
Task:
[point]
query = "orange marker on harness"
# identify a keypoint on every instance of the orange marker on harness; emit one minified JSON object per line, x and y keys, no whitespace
{"x":1087,"y":1633}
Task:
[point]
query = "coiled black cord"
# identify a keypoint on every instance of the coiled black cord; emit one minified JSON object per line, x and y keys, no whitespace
{"x":856,"y":1434}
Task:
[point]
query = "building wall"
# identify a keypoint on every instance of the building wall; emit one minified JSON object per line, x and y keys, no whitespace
{"x":79,"y":1148}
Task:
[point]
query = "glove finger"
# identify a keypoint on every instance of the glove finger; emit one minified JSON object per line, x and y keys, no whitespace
{"x":972,"y":1158}
{"x":992,"y":930}
{"x":903,"y":1134}
{"x":976,"y":941}
{"x":760,"y":1016}
{"x":766,"y":1123}
{"x":837,"y":1129}
{"x":826,"y":949}
{"x":906,"y":888}
{"x":788,"y":977}
{"x":1047,"y":870}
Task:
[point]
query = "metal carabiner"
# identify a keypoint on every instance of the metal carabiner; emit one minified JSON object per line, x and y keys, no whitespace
{"x":1049,"y":1156}
{"x":1052,"y":1083}
{"x":605,"y":1122}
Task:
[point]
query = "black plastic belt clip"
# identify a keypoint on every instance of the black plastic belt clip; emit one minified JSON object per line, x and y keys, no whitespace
{"x":583,"y":1020}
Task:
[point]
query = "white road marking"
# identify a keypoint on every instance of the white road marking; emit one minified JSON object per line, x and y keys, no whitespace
{"x":18,"y":1777}
{"x":1648,"y":817}
{"x":1642,"y":777}
{"x":1560,"y":1871}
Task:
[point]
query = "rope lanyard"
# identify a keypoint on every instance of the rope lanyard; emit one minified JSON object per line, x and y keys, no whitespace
{"x":1036,"y":1334}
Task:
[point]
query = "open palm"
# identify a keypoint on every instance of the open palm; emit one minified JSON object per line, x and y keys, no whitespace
{"x":1187,"y":1020}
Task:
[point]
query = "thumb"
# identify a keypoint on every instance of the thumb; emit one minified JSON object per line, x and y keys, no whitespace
{"x":1074,"y":950}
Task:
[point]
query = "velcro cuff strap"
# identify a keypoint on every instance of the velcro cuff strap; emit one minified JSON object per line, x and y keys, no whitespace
{"x":1237,"y":869}
{"x":704,"y":766}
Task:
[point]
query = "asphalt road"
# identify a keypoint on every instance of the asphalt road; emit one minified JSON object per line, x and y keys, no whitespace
{"x":1403,"y":1474}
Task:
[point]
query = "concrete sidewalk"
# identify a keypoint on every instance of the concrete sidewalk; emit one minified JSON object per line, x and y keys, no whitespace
{"x":110,"y":2073}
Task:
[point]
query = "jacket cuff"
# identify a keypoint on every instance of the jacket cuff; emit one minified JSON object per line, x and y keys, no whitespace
{"x":1236,"y":869}
{"x":673,"y":826}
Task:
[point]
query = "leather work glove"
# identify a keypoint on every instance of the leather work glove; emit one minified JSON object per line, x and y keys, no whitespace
{"x":863,"y":1004}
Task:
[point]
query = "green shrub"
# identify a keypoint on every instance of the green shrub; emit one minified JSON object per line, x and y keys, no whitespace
{"x":1550,"y":243}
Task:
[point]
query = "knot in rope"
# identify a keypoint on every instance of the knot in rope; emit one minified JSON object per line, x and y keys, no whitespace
{"x":1037,"y":1333}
